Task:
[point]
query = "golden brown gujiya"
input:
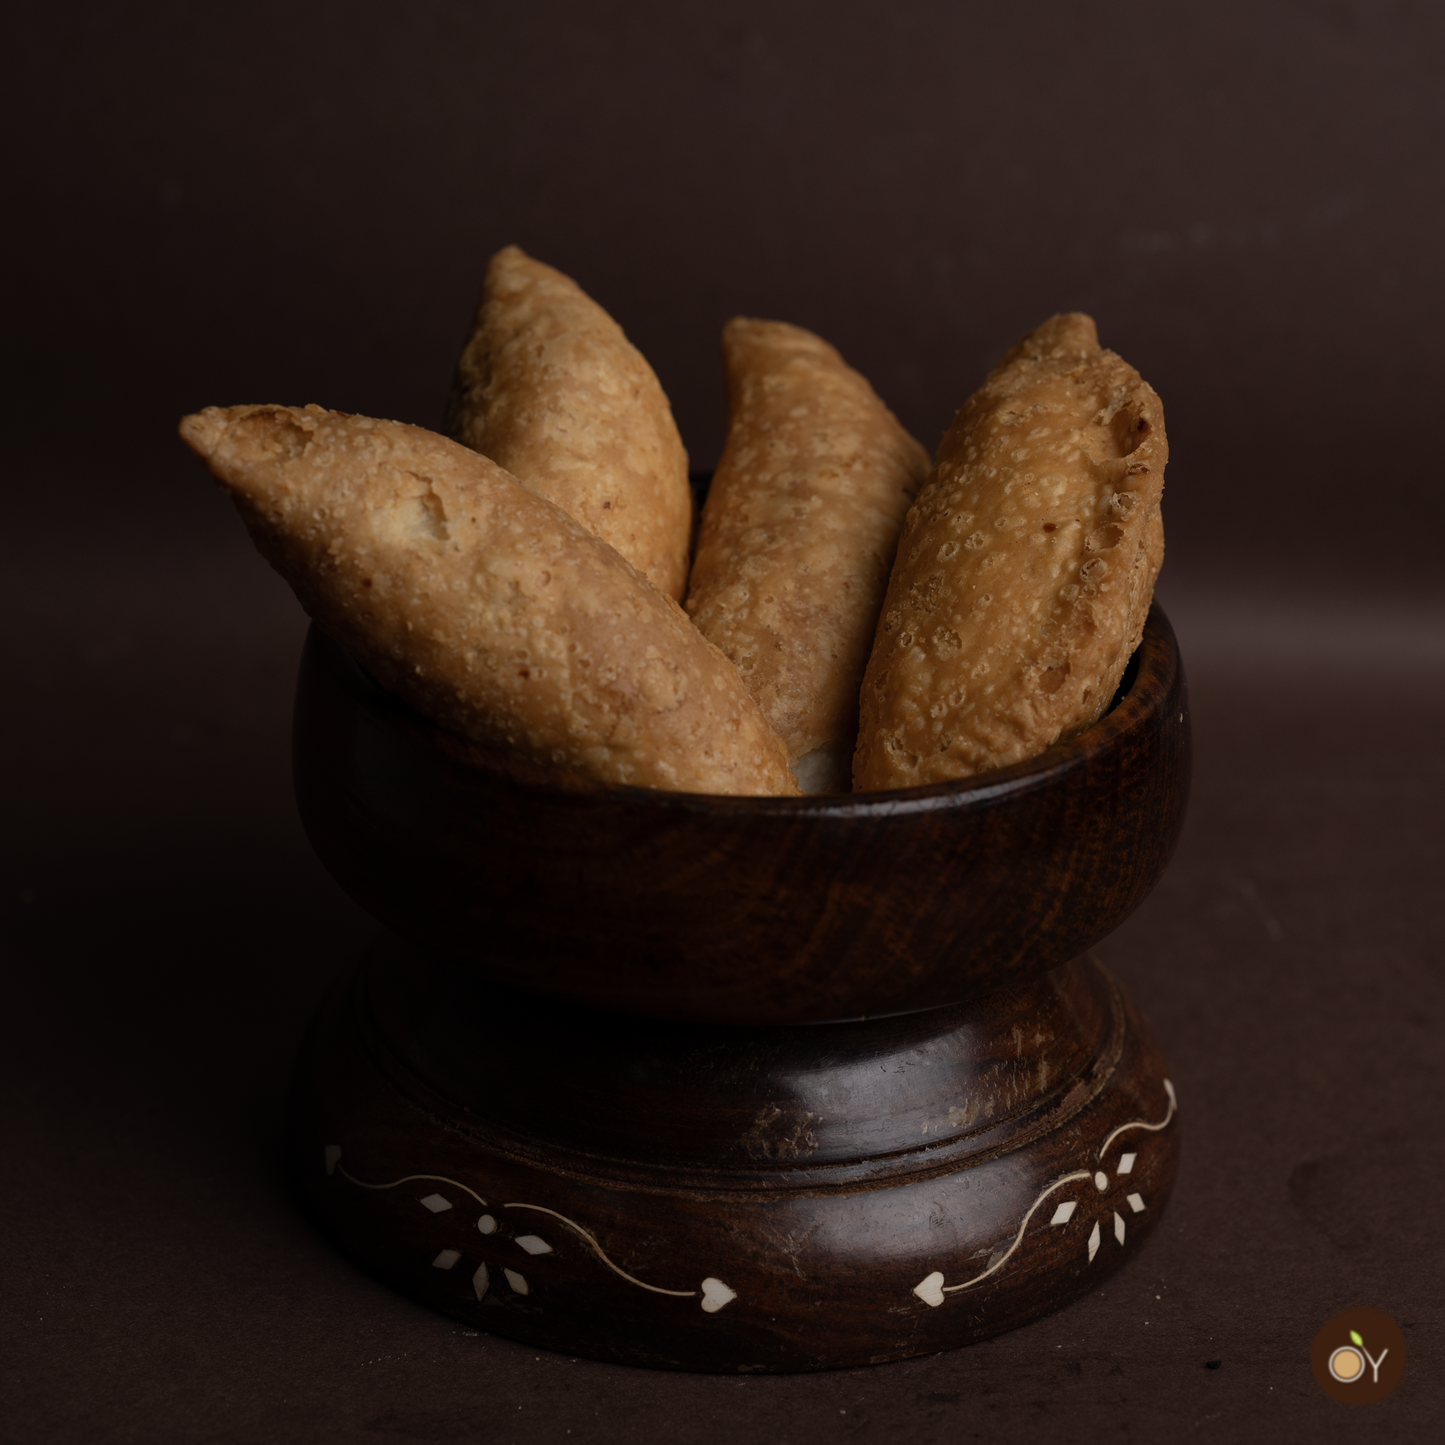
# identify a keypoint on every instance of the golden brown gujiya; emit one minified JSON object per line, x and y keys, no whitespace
{"x":484,"y":605}
{"x":1025,"y":568}
{"x":552,"y":391}
{"x":798,"y":536}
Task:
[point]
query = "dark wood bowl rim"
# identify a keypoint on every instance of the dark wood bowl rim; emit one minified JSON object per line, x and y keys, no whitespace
{"x":1148,"y":678}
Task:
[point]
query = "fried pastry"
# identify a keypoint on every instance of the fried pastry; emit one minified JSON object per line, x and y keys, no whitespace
{"x":798,"y":536}
{"x":1025,"y":568}
{"x":551,"y":390}
{"x":484,"y":605}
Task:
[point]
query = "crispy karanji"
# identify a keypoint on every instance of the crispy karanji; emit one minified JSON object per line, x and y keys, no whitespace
{"x":1025,"y":568}
{"x":484,"y":605}
{"x":798,"y":536}
{"x":552,"y":391}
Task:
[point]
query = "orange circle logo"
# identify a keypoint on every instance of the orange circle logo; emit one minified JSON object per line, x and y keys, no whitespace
{"x":1359,"y":1356}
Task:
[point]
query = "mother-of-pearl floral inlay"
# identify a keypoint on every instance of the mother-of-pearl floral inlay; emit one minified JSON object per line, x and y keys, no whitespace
{"x":932,"y":1289}
{"x":715,"y":1294}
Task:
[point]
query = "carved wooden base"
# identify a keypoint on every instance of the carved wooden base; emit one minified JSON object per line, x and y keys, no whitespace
{"x":726,"y":1198}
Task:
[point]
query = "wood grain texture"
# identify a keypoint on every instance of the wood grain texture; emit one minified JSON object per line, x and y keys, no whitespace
{"x":732,"y":1199}
{"x":742,"y":910}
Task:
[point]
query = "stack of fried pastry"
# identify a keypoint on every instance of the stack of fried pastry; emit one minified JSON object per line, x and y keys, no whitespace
{"x":852,"y":617}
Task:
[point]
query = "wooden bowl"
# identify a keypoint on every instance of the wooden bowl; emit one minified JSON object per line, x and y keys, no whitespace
{"x":726,"y":910}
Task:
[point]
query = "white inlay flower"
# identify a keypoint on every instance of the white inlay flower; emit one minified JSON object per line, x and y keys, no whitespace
{"x":1068,"y":1207}
{"x":932,"y":1289}
{"x":714,"y":1293}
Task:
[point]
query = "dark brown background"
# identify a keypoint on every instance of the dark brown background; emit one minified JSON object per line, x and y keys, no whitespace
{"x":295,"y":202}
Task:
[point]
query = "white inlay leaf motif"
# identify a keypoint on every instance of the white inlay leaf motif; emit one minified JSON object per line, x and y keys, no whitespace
{"x":1144,"y":1123}
{"x":932,"y":1289}
{"x":599,"y":1252}
{"x":1001,"y":1259}
{"x":714,"y":1293}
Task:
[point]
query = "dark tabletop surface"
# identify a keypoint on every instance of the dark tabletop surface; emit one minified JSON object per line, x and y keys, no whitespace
{"x":297,"y":206}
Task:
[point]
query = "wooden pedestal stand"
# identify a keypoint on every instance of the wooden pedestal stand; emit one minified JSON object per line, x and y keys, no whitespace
{"x":595,"y":1101}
